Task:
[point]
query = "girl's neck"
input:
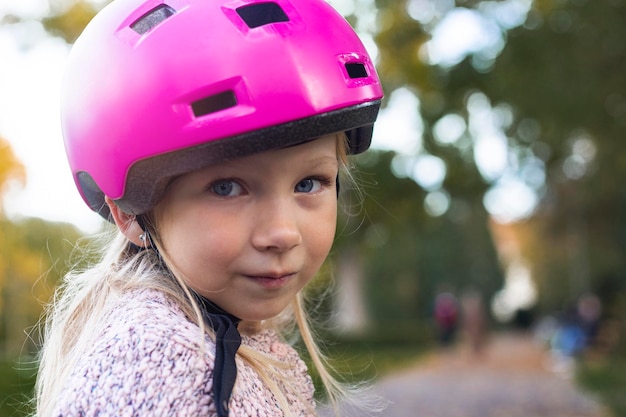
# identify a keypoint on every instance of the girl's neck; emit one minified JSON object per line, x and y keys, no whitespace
{"x":250,"y":327}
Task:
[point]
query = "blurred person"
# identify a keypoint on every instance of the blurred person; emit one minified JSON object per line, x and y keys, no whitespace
{"x":446,"y":315}
{"x":567,"y":342}
{"x":474,"y":321}
{"x":589,"y":309}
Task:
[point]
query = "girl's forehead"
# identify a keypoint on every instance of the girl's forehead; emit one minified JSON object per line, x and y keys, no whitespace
{"x":318,"y":153}
{"x":323,"y":148}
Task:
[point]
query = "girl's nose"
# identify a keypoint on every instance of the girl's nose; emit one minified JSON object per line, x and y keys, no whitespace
{"x":276,"y":228}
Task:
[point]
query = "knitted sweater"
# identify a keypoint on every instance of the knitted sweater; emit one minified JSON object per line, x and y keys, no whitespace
{"x":147,"y":361}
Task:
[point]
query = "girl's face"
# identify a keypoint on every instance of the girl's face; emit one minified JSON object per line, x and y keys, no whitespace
{"x":249,"y":234}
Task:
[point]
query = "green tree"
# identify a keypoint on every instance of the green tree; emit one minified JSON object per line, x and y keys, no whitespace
{"x":558,"y":79}
{"x":33,"y":255}
{"x":11,"y":170}
{"x":407,"y":255}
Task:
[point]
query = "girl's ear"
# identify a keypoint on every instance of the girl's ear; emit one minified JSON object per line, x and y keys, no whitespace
{"x":127,"y":223}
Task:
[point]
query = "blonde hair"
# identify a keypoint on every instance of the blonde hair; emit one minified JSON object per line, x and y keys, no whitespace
{"x":81,"y":301}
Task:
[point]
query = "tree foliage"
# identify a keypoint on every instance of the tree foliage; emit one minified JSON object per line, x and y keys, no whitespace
{"x":33,"y":256}
{"x":407,"y":255}
{"x":560,"y":78}
{"x":11,"y":169}
{"x":68,"y":22}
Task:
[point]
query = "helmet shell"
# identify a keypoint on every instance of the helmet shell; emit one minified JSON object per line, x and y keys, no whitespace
{"x":153,"y":90}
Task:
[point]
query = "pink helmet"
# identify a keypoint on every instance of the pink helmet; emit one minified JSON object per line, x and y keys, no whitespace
{"x":156,"y":88}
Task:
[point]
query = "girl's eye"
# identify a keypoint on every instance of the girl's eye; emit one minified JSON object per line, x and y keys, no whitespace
{"x":226,"y":188}
{"x":309,"y":185}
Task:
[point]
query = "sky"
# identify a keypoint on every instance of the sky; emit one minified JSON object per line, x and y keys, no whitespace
{"x":32,"y":67}
{"x":30,"y":74}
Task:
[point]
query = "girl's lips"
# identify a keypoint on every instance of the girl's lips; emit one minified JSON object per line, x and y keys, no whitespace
{"x":271,"y":282}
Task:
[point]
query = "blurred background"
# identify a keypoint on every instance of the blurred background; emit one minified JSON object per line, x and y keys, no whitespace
{"x":493,"y":200}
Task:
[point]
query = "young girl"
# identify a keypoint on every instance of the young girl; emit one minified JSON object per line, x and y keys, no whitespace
{"x":212,"y":133}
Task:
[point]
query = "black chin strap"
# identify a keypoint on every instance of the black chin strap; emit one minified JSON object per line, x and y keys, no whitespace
{"x":227,"y":342}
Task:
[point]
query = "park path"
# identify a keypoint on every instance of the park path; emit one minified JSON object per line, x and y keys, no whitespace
{"x":511,"y":378}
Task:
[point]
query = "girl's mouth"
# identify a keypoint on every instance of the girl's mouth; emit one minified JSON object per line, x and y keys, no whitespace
{"x":272,"y":281}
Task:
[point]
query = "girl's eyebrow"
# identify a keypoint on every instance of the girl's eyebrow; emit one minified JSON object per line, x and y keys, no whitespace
{"x":324,"y":158}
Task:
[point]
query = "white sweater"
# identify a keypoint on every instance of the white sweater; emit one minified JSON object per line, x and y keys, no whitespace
{"x":147,"y":361}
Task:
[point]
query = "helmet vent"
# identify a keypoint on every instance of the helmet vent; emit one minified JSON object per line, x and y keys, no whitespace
{"x":153,"y":18}
{"x":214,"y":103}
{"x":356,"y":70}
{"x":261,"y":14}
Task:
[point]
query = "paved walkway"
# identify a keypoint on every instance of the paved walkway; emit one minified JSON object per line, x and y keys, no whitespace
{"x":512,"y":378}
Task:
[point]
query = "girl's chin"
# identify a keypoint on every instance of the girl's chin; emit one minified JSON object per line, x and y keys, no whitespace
{"x":258,"y":322}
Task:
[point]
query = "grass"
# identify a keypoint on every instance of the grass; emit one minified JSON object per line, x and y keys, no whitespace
{"x":16,"y":386}
{"x":362,"y":361}
{"x":607,"y":379}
